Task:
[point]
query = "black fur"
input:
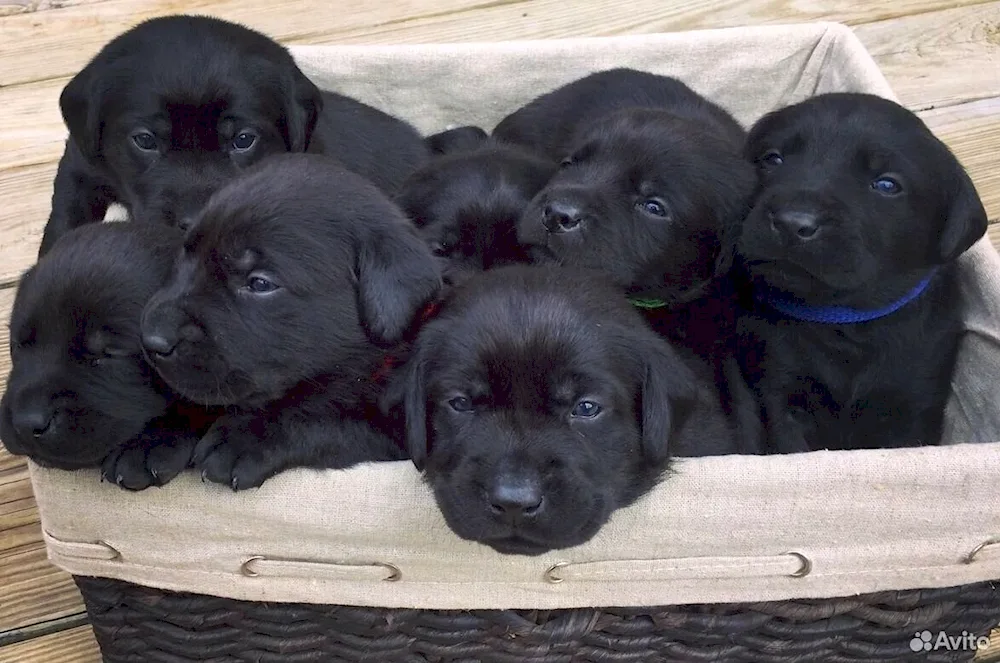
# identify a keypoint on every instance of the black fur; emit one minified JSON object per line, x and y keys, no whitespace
{"x":525,"y":345}
{"x":198,"y":89}
{"x":651,"y":185}
{"x":467,"y":205}
{"x":822,"y":232}
{"x":459,"y":139}
{"x":551,"y":124}
{"x":291,"y":279}
{"x":80,"y":394}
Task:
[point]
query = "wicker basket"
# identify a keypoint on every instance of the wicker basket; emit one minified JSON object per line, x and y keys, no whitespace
{"x":750,"y":558}
{"x":136,"y":624}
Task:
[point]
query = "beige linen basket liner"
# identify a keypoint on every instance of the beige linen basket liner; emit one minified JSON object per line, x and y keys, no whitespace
{"x":727,"y":529}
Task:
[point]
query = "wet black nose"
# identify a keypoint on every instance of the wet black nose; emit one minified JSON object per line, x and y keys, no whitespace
{"x":795,"y":224}
{"x":34,"y":420}
{"x":516,"y":497}
{"x":159,"y":344}
{"x":560,"y":217}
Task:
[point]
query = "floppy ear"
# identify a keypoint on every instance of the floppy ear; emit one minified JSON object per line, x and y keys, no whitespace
{"x":397,"y":275}
{"x":669,"y":396}
{"x":737,"y":194}
{"x":406,"y":389}
{"x":80,"y":103}
{"x":965,"y":220}
{"x":302,"y":109}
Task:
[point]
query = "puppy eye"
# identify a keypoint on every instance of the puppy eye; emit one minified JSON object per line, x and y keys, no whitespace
{"x":586,"y":410}
{"x":771,"y":159}
{"x":887,"y":185}
{"x":114,"y":352}
{"x":259,"y":285}
{"x":654,"y":207}
{"x":568,"y":161}
{"x":461,"y":404}
{"x":244,"y":141}
{"x":145,"y":141}
{"x":441,"y":249}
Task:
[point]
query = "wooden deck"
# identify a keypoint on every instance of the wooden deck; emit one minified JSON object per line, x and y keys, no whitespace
{"x":942,"y":58}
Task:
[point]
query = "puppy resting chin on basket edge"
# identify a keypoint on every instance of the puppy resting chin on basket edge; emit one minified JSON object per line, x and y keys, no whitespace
{"x":293,"y":282}
{"x":855,"y":318}
{"x":537,"y":403}
{"x":80,"y":394}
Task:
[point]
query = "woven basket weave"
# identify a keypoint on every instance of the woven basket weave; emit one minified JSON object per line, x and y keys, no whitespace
{"x":136,"y":624}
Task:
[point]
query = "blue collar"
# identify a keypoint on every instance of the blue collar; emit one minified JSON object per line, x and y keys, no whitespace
{"x":836,"y":315}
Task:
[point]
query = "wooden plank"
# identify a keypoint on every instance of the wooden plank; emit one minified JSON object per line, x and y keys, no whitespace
{"x":939,"y":58}
{"x":73,"y":646}
{"x":548,"y":19}
{"x":994,"y":234}
{"x":59,"y":43}
{"x":11,"y":7}
{"x":34,"y":132}
{"x":33,"y":49}
{"x":6,"y":303}
{"x":972,"y":131}
{"x":26,"y":194}
{"x":992,"y":653}
{"x":35,"y":591}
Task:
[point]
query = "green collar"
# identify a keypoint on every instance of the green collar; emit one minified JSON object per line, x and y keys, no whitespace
{"x":642,"y":302}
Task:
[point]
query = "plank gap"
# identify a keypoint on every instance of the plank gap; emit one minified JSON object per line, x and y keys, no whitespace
{"x":42,"y":629}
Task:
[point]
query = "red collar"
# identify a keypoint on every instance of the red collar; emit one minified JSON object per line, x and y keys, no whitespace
{"x":390,"y":360}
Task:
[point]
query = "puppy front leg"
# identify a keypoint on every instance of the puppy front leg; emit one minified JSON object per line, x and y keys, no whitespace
{"x":79,"y":196}
{"x":243,"y":450}
{"x":153,"y":457}
{"x":786,"y":433}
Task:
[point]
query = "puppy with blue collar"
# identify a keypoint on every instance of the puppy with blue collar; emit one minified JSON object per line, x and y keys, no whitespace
{"x":852,"y":318}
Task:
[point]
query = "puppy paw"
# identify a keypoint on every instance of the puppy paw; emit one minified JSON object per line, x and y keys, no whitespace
{"x":235,"y":458}
{"x":148,"y":461}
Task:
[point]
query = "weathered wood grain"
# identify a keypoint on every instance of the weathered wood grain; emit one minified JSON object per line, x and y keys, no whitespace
{"x":58,"y":43}
{"x":11,"y":7}
{"x":972,"y":131}
{"x":55,"y":44}
{"x":939,"y":58}
{"x":34,"y":591}
{"x":26,"y":197}
{"x":73,"y":646}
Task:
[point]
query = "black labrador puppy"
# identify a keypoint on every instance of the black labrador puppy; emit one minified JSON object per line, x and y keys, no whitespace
{"x":294,"y":284}
{"x":651,"y":184}
{"x":80,"y":394}
{"x":170,"y":110}
{"x":537,"y":403}
{"x":467,"y":204}
{"x":851,"y":336}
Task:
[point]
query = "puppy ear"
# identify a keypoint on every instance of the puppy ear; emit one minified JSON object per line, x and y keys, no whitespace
{"x":397,"y":275}
{"x":406,"y":389}
{"x":965,"y":218}
{"x":305,"y":101}
{"x":669,"y":396}
{"x":80,"y":103}
{"x":737,"y":193}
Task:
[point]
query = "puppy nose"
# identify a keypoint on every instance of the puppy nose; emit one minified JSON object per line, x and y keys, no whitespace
{"x":560,"y":217}
{"x":795,"y":224}
{"x":34,"y":420}
{"x":159,"y":344}
{"x":516,"y":498}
